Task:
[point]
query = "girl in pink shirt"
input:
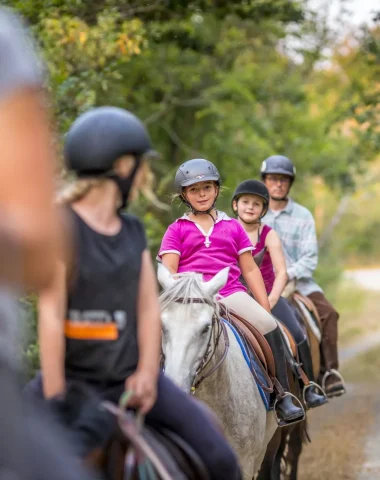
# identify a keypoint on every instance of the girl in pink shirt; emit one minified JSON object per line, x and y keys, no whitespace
{"x":205,"y":241}
{"x":250,"y":202}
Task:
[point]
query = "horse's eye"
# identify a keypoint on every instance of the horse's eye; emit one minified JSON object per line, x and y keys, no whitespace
{"x":206,"y":329}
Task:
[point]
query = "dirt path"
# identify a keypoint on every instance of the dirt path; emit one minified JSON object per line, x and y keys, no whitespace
{"x":368,"y":279}
{"x":371,"y":466}
{"x":362,"y":345}
{"x":346,"y":432}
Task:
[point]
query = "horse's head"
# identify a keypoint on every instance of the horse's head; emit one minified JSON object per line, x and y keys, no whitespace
{"x":188,"y":309}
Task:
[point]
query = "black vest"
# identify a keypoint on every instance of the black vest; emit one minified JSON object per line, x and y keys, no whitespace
{"x":101,"y":322}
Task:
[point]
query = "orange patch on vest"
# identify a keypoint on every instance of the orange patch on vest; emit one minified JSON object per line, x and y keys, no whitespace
{"x":91,"y":331}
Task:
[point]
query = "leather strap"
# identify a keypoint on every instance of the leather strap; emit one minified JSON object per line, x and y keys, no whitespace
{"x":222,"y":358}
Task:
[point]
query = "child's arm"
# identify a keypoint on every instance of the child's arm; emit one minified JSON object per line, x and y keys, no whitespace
{"x":253,"y":278}
{"x":51,"y":335}
{"x":143,"y":383}
{"x":273,"y":244}
{"x":171,"y":262}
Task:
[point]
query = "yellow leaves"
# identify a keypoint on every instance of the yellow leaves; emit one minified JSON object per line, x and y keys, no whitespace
{"x":83,"y":37}
{"x":128,"y":45}
{"x":72,"y":42}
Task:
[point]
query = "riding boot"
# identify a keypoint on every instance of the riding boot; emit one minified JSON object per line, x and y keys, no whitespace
{"x":311,"y":395}
{"x":286,"y":410}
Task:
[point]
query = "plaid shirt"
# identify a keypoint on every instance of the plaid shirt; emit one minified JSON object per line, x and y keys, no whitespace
{"x":296,"y":228}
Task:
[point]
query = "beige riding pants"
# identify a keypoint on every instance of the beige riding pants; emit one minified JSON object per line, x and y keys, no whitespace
{"x":245,"y":306}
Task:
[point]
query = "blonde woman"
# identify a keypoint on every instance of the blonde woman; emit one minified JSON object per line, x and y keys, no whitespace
{"x":99,"y":322}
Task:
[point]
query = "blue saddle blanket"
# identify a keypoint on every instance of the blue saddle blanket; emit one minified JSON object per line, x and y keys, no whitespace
{"x":252,"y":363}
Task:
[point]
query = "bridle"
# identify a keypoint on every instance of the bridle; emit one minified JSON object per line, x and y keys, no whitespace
{"x":218,"y":328}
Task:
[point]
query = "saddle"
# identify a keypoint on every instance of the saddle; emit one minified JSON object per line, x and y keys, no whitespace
{"x":255,"y":340}
{"x":309,"y":314}
{"x":258,"y":343}
{"x":138,"y":453}
{"x":262,"y":351}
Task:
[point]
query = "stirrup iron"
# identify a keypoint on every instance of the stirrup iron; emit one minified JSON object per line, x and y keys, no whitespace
{"x":336,"y":393}
{"x":283,"y":423}
{"x":306,"y":387}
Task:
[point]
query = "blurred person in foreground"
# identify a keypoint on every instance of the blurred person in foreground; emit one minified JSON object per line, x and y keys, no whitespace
{"x":31,"y":446}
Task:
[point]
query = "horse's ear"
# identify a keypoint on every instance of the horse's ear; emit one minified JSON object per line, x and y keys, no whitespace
{"x":164,"y":276}
{"x":213,"y":286}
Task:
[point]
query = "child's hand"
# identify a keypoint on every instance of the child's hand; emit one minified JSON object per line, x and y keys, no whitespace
{"x":143,"y":384}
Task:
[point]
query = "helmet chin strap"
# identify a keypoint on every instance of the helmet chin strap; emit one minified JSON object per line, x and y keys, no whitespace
{"x":205,"y":212}
{"x":254,"y":222}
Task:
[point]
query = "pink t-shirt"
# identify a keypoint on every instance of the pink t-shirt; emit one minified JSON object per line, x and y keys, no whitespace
{"x":210,"y":252}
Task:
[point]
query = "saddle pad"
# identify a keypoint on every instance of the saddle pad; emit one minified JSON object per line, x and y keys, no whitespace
{"x":265,"y":396}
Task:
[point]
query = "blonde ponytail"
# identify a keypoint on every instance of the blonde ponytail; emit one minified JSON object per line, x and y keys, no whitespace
{"x":75,"y":190}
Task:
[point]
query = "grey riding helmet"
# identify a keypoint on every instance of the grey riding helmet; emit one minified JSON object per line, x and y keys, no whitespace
{"x":278,"y":164}
{"x":194,"y":171}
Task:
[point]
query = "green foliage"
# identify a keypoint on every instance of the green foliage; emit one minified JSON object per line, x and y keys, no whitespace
{"x":30,"y":352}
{"x":214,"y":79}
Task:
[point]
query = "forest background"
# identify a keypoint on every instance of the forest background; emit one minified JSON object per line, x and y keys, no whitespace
{"x":234,"y":82}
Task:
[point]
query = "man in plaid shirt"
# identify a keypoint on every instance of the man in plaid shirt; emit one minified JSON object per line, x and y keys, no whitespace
{"x":296,"y":228}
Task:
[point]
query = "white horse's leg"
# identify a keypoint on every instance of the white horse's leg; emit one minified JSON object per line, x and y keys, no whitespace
{"x":271,"y":427}
{"x":234,"y":396}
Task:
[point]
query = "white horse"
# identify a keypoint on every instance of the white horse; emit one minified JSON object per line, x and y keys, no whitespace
{"x":193,"y":344}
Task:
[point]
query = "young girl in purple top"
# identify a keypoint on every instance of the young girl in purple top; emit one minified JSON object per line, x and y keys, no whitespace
{"x":250,"y":202}
{"x":205,"y":241}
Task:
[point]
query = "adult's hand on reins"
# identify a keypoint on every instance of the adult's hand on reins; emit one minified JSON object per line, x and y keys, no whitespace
{"x":143,"y":384}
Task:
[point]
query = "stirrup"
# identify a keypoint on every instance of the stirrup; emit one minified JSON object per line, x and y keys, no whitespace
{"x":306,"y":387}
{"x":284,"y":423}
{"x":334,"y":393}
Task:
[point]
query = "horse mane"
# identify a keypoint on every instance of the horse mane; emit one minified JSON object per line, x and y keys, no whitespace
{"x":187,"y":286}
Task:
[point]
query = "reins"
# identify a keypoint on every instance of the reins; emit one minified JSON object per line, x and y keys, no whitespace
{"x":218,"y":324}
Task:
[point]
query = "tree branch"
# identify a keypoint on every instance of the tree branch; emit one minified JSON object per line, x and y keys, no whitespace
{"x":180,"y":143}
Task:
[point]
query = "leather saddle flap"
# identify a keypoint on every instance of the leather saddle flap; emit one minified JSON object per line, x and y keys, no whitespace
{"x":309,"y":305}
{"x":181,"y":452}
{"x":180,"y":460}
{"x":259,"y":345}
{"x":292,"y":342}
{"x":252,"y":342}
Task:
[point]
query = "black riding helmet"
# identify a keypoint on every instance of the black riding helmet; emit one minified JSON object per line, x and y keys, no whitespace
{"x":99,"y":137}
{"x":278,"y":164}
{"x":194,"y":171}
{"x":252,"y":187}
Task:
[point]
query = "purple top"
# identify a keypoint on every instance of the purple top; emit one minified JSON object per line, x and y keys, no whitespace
{"x":208,"y":252}
{"x":266,"y":266}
